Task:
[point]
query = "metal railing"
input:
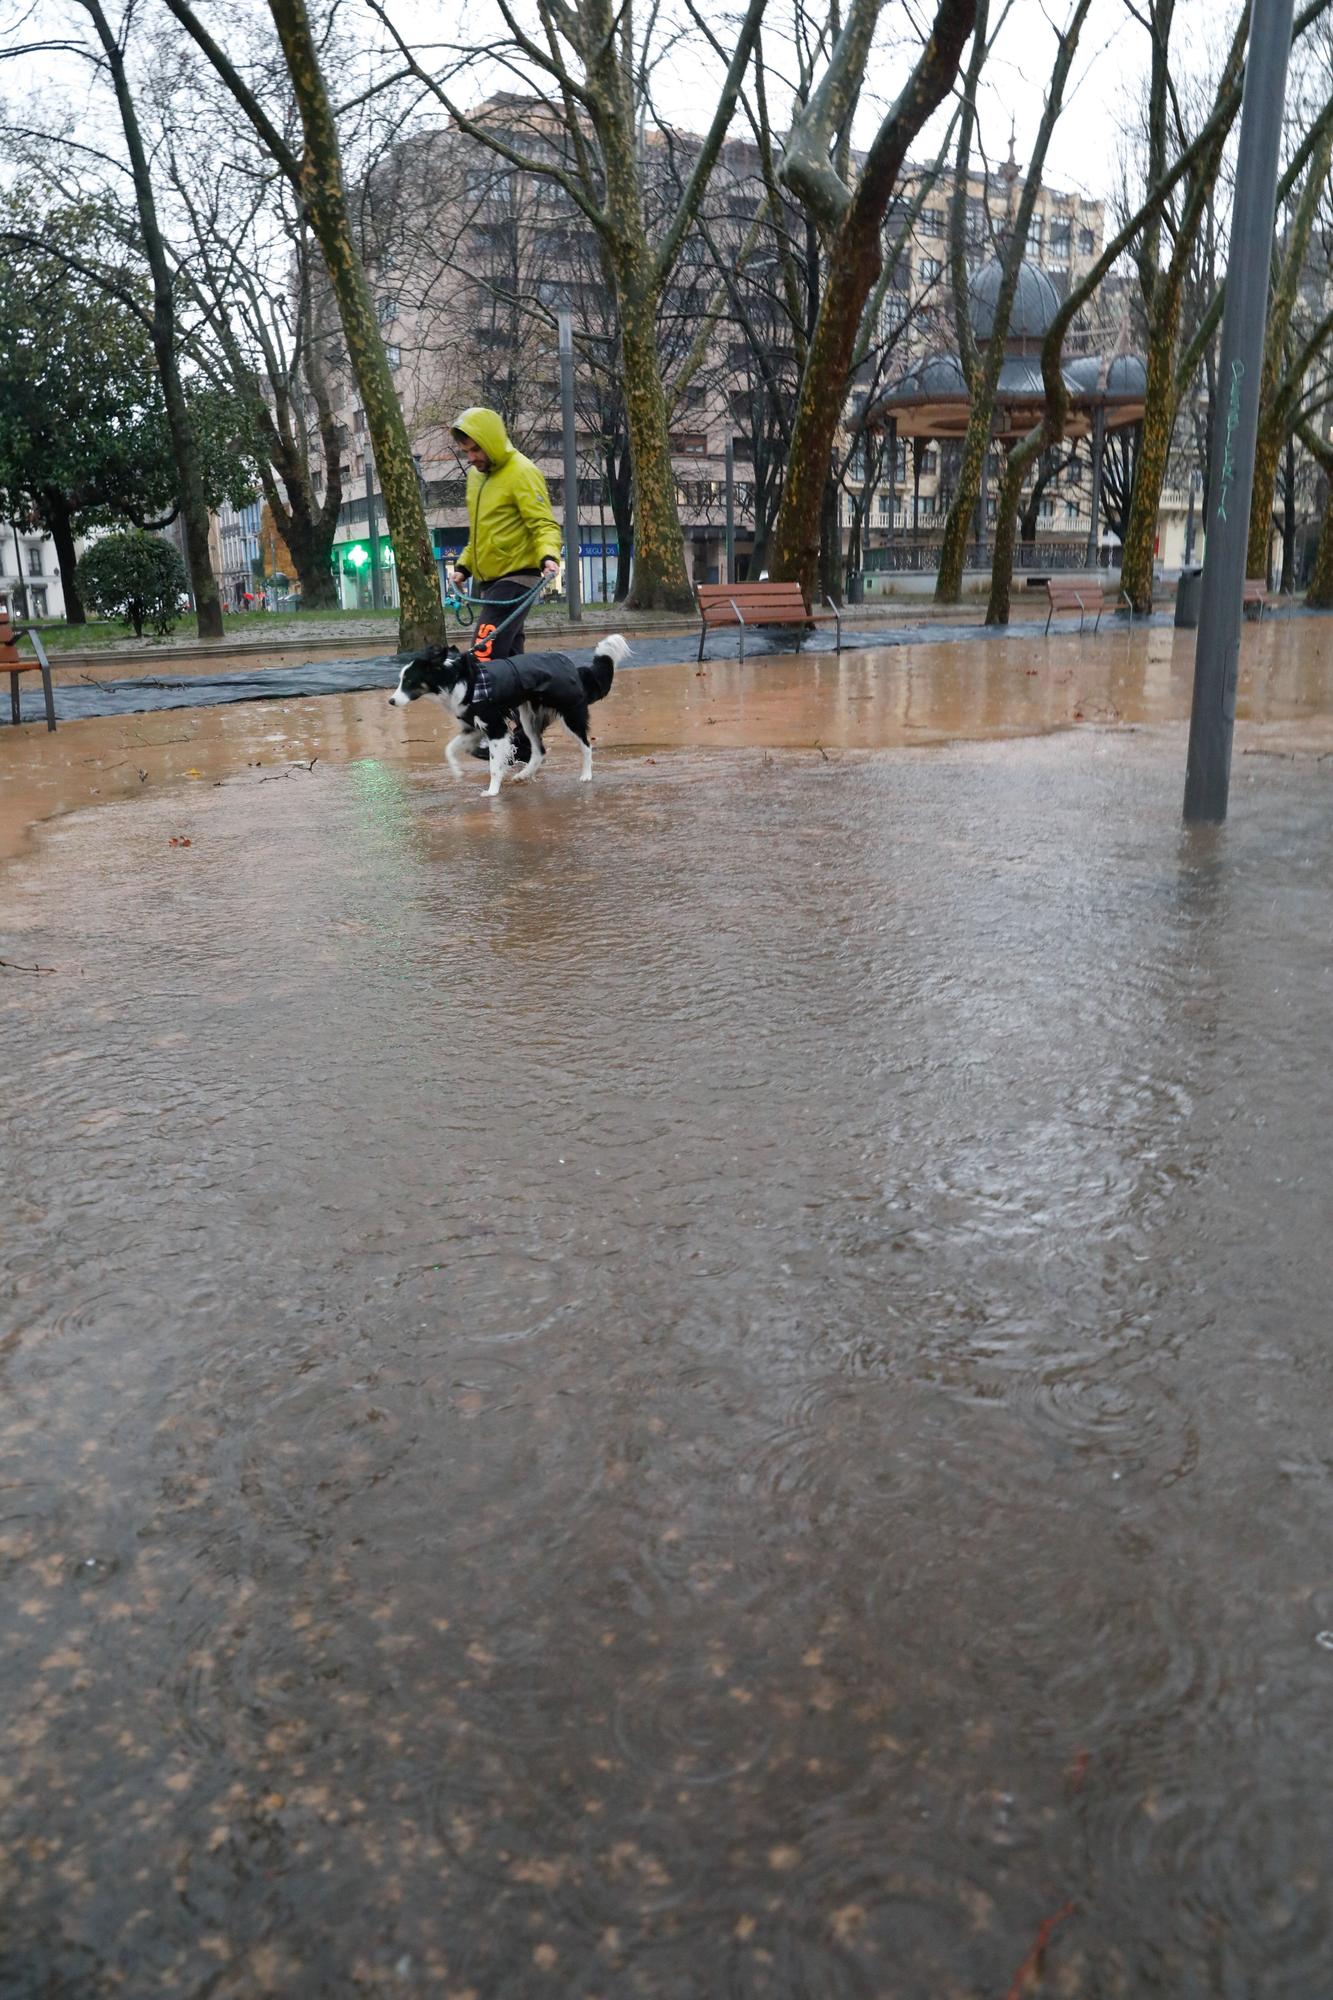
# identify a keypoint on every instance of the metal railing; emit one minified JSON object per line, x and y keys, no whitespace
{"x":918,"y":558}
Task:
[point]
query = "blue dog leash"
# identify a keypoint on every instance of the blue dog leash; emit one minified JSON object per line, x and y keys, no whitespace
{"x":462,"y":603}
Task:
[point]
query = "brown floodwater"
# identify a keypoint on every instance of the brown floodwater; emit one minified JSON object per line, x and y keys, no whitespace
{"x":709,"y":1385}
{"x":876,"y":699}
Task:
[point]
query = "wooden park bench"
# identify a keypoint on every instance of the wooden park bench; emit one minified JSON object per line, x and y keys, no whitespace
{"x":11,"y":664}
{"x":1076,"y":593}
{"x":1257,"y":594}
{"x":763,"y":603}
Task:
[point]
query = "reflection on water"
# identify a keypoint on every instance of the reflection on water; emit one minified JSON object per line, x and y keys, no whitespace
{"x":713,"y":1384}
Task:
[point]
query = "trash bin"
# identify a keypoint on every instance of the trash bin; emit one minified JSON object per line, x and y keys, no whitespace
{"x":1188,"y":593}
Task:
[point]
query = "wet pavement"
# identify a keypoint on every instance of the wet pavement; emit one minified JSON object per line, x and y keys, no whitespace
{"x":710,"y":1385}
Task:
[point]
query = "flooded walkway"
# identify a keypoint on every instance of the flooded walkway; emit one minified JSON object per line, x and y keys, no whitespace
{"x":714,"y":1384}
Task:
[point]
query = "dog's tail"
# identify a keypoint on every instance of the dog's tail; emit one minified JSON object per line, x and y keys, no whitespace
{"x":598,"y":677}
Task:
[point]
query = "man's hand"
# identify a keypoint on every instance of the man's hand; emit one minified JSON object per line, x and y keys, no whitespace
{"x":460,"y":579}
{"x":550,"y":566}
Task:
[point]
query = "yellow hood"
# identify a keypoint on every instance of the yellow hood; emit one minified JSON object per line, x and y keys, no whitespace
{"x":486,"y":428}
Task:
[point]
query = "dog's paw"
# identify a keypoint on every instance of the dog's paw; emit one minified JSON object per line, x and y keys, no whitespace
{"x":585,"y":777}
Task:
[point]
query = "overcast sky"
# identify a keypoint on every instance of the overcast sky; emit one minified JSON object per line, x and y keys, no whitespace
{"x":1086,"y":148}
{"x":1085,"y":152}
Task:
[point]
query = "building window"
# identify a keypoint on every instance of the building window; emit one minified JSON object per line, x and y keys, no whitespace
{"x":976,"y":219}
{"x":932,"y":222}
{"x":1071,"y":510}
{"x":1060,"y":236}
{"x":394,"y":352}
{"x":359,"y":422}
{"x":893,"y":317}
{"x":1086,"y":242}
{"x":928,"y":269}
{"x":689,"y":444}
{"x":35,"y":559}
{"x":1034,"y":236}
{"x":387,"y":308}
{"x":37,"y":598}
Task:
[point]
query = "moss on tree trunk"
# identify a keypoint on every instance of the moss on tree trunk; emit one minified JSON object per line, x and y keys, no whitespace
{"x":1159,"y":417}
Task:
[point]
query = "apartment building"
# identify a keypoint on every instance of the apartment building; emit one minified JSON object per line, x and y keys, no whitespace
{"x":30,"y":573}
{"x":471,"y":260}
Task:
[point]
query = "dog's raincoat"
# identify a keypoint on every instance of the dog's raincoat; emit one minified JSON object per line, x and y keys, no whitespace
{"x":547,"y":680}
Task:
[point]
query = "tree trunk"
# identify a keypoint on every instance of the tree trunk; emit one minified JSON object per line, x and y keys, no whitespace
{"x":1319,"y":591}
{"x":1159,"y":419}
{"x":980,"y":418}
{"x":309,"y":539}
{"x":1006,"y":518}
{"x":661,"y":582}
{"x":1259,"y":547}
{"x":958,"y":525}
{"x":830,"y":543}
{"x":56,"y":514}
{"x":1287,"y":580}
{"x":311,"y":552}
{"x":853,"y":264}
{"x":193,"y":506}
{"x":421,"y":613}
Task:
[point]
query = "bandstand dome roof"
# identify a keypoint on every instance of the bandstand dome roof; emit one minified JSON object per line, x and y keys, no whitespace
{"x":1126,"y":377}
{"x":930,"y":398}
{"x":1036,"y":301}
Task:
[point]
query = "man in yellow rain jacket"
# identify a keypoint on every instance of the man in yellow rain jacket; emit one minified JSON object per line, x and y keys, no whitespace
{"x":513,"y":537}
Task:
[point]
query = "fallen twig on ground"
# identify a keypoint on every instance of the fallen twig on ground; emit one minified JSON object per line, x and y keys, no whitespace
{"x":8,"y":965}
{"x":1034,"y":1965}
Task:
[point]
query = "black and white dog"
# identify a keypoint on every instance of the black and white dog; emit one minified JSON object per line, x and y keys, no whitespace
{"x":485,"y":696}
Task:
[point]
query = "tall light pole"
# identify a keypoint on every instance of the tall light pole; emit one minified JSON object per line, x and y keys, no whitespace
{"x":372,"y":532}
{"x":1249,"y":261}
{"x":573,"y":560}
{"x":729,"y":477}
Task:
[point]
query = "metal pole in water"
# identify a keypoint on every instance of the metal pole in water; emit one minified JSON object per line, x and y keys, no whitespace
{"x":573,"y":560}
{"x":1249,"y":261}
{"x":731,"y":507}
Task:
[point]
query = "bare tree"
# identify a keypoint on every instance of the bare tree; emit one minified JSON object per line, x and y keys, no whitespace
{"x":852,"y":218}
{"x":589,"y":75}
{"x":315,"y":172}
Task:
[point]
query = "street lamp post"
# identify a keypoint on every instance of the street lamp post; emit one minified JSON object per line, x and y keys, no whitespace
{"x":729,"y":466}
{"x":372,"y":534}
{"x":573,"y":559}
{"x":1249,"y":258}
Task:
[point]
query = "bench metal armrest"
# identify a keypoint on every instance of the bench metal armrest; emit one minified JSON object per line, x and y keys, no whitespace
{"x":836,"y":609}
{"x":740,"y":621}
